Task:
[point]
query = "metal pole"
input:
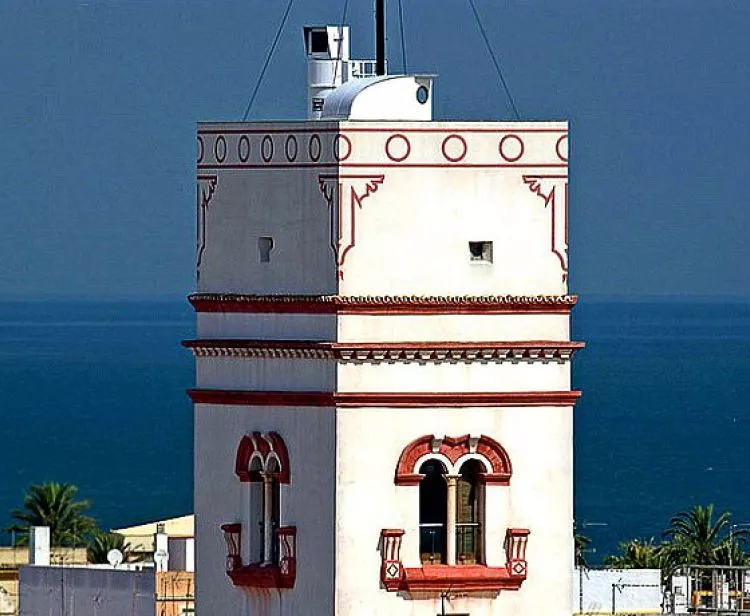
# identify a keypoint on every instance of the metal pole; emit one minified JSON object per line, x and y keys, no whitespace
{"x":614,"y":586}
{"x":380,"y":37}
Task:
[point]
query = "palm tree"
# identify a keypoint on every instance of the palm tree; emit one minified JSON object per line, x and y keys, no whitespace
{"x":101,"y":543}
{"x":54,"y":504}
{"x":582,"y":543}
{"x":696,"y":537}
{"x":636,"y":554}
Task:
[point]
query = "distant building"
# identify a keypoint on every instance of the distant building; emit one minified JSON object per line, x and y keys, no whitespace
{"x":636,"y":592}
{"x":12,"y":558}
{"x":181,"y":540}
{"x":161,"y":584}
{"x":383,"y":403}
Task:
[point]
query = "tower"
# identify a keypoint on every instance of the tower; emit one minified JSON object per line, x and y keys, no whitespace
{"x":383,"y":407}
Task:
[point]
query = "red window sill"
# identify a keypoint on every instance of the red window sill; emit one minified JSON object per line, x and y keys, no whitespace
{"x":259,"y":576}
{"x":466,"y":578}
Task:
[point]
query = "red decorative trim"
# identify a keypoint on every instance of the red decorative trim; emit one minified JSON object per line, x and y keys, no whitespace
{"x":388,"y":144}
{"x":220,"y":141}
{"x":437,"y":351}
{"x":337,"y":147}
{"x":256,"y":575}
{"x":558,"y":150}
{"x":383,"y":305}
{"x":500,"y":147}
{"x":299,"y":128}
{"x":452,"y":578}
{"x":344,"y":195}
{"x":291,"y":156}
{"x":456,"y":450}
{"x":206,"y":188}
{"x":267,"y":447}
{"x":243,"y":147}
{"x":444,"y":149}
{"x":316,"y":140}
{"x":384,"y":399}
{"x":546,"y":187}
{"x":267,"y":156}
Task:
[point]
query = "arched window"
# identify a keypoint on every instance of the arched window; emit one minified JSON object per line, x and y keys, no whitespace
{"x":469,"y":510}
{"x":433,"y":508}
{"x":263,"y":462}
{"x":271,"y":513}
{"x":452,"y":474}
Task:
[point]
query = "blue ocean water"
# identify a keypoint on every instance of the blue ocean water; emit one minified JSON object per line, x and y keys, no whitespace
{"x":94,"y":394}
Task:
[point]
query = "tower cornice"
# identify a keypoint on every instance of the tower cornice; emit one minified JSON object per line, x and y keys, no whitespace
{"x":433,"y":351}
{"x":384,"y":304}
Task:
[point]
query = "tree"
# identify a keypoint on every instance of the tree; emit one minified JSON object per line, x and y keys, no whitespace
{"x":636,"y":554}
{"x":582,"y":543}
{"x":101,"y":543}
{"x":54,"y":504}
{"x":696,"y":537}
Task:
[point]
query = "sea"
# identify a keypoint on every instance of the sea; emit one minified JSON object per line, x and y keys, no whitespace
{"x":93,"y":393}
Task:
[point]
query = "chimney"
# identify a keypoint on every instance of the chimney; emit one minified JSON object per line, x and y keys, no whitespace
{"x":161,"y":548}
{"x":328,"y":64}
{"x":39,"y":546}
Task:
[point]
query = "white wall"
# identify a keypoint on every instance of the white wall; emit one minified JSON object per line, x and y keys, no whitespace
{"x":308,"y":503}
{"x":59,"y":591}
{"x":540,"y":498}
{"x":638,"y":591}
{"x":453,"y":327}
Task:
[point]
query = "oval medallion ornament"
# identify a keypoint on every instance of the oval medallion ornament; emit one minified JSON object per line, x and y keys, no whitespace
{"x":511,"y":148}
{"x":243,"y":148}
{"x":454,"y":148}
{"x":397,"y":148}
{"x":220,"y":149}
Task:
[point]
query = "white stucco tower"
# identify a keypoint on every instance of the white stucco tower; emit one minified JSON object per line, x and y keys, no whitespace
{"x":383,"y":406}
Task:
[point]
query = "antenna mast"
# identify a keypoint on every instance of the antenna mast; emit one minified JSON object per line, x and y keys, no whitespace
{"x":380,"y":37}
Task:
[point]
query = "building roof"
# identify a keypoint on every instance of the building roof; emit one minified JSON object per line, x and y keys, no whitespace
{"x":143,"y":534}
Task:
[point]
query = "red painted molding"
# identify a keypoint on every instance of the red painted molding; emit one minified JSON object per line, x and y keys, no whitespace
{"x":441,"y":578}
{"x":458,"y":578}
{"x":453,"y":449}
{"x":265,"y":446}
{"x":382,"y":305}
{"x":386,"y":399}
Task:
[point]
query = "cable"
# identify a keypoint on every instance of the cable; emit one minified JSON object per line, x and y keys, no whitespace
{"x":494,"y":60}
{"x":403,"y":41}
{"x":268,"y":59}
{"x":341,"y":43}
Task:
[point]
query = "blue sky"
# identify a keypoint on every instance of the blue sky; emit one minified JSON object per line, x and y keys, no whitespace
{"x":99,"y":100}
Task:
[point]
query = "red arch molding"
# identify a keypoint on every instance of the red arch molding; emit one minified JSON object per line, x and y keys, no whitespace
{"x":264,"y":444}
{"x":454,"y":448}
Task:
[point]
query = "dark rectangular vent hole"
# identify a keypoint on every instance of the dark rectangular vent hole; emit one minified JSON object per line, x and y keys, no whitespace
{"x":318,"y":41}
{"x":480,"y":251}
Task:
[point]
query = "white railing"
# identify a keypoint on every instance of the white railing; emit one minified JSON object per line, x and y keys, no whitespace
{"x":358,"y":69}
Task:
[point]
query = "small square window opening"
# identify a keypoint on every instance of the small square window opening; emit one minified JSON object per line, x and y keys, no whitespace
{"x":265,"y":246}
{"x":480,"y":251}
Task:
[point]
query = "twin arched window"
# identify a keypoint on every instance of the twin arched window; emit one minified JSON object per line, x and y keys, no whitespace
{"x":452,"y":474}
{"x":263,"y":461}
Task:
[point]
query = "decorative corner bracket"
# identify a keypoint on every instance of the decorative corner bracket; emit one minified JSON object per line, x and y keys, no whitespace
{"x":344,"y":195}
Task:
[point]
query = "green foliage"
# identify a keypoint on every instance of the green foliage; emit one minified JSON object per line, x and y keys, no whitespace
{"x":55,"y":505}
{"x":582,"y":543}
{"x":637,"y":554}
{"x":101,"y":543}
{"x":694,"y":537}
{"x":697,"y":538}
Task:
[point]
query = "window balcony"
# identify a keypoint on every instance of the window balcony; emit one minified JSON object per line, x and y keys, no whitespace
{"x":279,"y":572}
{"x":470,"y":577}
